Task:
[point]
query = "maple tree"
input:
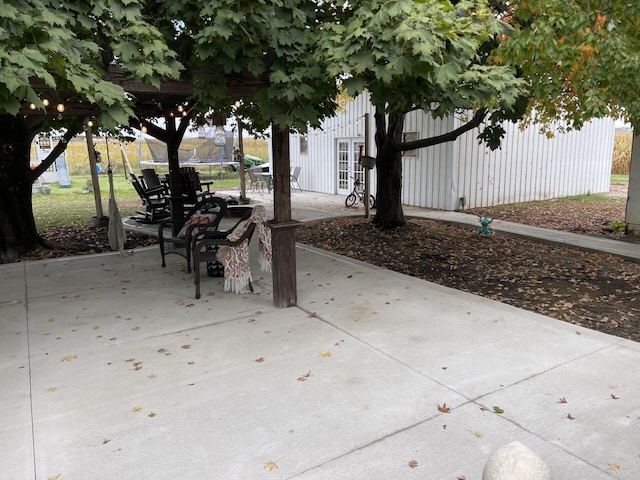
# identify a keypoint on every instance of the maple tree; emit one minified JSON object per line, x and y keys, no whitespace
{"x":53,"y":55}
{"x":262,"y":49}
{"x":579,"y":58}
{"x":429,"y":55}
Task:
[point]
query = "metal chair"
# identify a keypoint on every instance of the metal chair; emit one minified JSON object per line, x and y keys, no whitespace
{"x":294,"y":177}
{"x":203,"y":216}
{"x":204,"y":253}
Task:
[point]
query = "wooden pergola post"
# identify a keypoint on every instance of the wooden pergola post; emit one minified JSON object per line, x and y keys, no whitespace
{"x":283,"y":235}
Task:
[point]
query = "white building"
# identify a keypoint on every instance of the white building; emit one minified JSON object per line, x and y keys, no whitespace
{"x":464,"y":173}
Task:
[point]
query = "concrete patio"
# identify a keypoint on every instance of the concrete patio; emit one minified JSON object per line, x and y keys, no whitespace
{"x":112,"y":370}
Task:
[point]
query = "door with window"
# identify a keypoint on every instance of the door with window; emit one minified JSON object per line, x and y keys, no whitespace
{"x":349,"y":166}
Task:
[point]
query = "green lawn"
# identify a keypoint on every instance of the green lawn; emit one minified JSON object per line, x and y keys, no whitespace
{"x":71,"y":205}
{"x":619,"y":178}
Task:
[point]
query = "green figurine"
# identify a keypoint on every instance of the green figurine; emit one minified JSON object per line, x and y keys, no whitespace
{"x":485,"y":228}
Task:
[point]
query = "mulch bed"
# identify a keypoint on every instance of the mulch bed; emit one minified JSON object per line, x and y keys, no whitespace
{"x":593,"y":290}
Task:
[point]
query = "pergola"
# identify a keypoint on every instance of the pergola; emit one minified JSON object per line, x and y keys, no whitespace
{"x":151,"y":102}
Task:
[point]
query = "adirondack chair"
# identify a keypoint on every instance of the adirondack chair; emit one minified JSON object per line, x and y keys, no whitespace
{"x":151,"y":178}
{"x":192,"y":188}
{"x":155,"y":200}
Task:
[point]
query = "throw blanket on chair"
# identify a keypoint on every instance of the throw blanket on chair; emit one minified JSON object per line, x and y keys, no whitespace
{"x":237,"y":272}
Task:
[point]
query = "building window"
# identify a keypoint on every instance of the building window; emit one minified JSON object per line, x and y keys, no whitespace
{"x":409,"y":137}
{"x":304,"y":145}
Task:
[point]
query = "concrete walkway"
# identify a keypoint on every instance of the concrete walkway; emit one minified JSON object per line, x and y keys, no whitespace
{"x":112,"y":370}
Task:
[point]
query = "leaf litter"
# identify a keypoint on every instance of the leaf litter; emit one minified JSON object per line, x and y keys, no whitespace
{"x":593,"y":290}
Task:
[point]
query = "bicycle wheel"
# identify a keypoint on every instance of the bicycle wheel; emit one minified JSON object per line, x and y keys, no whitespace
{"x":350,"y":201}
{"x":372,"y":201}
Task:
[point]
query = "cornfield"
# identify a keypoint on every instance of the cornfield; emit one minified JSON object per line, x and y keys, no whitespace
{"x":78,"y":158}
{"x":622,"y":152}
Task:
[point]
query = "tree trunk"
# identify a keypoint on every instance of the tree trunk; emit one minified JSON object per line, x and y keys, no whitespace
{"x":389,"y":212}
{"x":18,"y":233}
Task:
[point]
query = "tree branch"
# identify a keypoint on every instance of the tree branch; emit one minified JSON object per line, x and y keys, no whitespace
{"x":74,"y":128}
{"x":477,"y":119}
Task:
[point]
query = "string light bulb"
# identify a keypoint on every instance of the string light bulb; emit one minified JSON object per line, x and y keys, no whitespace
{"x":32,"y":106}
{"x":180,"y":108}
{"x":45,"y":102}
{"x":90,"y":123}
{"x":60,"y":107}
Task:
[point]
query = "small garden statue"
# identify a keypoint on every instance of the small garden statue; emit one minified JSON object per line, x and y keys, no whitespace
{"x":485,"y":228}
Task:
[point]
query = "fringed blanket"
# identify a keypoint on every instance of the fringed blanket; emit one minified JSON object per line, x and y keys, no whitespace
{"x":237,"y":272}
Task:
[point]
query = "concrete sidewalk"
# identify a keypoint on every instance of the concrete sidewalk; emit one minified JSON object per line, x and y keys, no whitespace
{"x":113,"y":370}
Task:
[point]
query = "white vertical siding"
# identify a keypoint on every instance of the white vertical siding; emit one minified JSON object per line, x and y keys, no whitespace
{"x":528,"y":166}
{"x":426,"y":178}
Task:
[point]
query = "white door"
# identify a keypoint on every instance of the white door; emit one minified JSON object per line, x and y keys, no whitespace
{"x":349,"y":165}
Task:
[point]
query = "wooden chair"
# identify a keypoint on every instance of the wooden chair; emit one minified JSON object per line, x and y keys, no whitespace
{"x":155,"y":201}
{"x":192,"y":188}
{"x":203,"y":216}
{"x":151,"y":178}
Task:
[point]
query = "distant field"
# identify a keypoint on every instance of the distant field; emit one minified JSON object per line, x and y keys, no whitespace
{"x":139,"y":151}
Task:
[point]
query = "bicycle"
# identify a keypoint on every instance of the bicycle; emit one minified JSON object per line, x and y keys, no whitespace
{"x":358,"y":195}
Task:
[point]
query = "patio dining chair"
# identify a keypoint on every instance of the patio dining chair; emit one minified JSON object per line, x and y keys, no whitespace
{"x":257,"y":182}
{"x":294,"y":177}
{"x":203,"y":216}
{"x":231,"y":248}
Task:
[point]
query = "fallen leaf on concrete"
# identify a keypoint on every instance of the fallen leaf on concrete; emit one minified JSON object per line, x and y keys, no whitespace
{"x":186,"y":347}
{"x":55,"y":477}
{"x":413,"y":463}
{"x":151,"y":376}
{"x":96,"y":327}
{"x":614,"y":467}
{"x":615,"y":397}
{"x":477,"y":434}
{"x":52,"y":389}
{"x":325,"y":354}
{"x":270,"y":465}
{"x":68,"y":358}
{"x":562,"y":400}
{"x":136,"y":409}
{"x":105,"y":441}
{"x":312,"y":315}
{"x":443,"y":408}
{"x":260,"y":360}
{"x":304,"y":377}
{"x":498,"y":409}
{"x":151,"y":415}
{"x":571,"y":417}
